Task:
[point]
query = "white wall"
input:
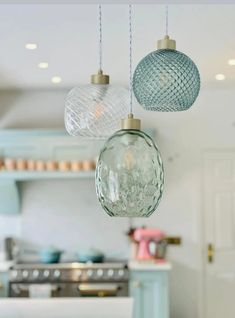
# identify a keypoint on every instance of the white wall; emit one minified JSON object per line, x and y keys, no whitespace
{"x":67,"y":214}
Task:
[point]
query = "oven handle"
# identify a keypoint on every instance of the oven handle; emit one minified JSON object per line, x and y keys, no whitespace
{"x":25,"y":288}
{"x":100,"y":290}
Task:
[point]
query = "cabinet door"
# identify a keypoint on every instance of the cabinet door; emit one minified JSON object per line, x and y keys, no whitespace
{"x":3,"y":284}
{"x":136,"y":292}
{"x":150,"y":293}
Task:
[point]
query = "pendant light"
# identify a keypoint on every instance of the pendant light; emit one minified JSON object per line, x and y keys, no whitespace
{"x":166,"y":79}
{"x":129,"y":172}
{"x":94,"y":110}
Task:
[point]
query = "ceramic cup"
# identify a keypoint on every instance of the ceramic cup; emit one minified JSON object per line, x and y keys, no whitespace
{"x":87,"y":165}
{"x":94,"y":162}
{"x":51,"y":165}
{"x":76,"y":165}
{"x":21,"y":164}
{"x":31,"y":164}
{"x":40,"y":165}
{"x":1,"y":164}
{"x":10,"y":163}
{"x":64,"y":165}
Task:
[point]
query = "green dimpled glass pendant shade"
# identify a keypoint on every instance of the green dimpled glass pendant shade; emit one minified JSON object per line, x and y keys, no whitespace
{"x":129,"y":174}
{"x":166,"y":79}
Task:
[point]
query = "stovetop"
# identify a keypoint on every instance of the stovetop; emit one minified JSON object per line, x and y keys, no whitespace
{"x":70,"y":265}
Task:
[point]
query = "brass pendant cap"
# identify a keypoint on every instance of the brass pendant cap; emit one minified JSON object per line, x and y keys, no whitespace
{"x":131,"y":123}
{"x":166,"y":44}
{"x":100,"y":78}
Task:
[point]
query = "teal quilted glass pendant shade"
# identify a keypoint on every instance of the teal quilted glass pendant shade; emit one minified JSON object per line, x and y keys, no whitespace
{"x":166,"y":79}
{"x":129,"y":173}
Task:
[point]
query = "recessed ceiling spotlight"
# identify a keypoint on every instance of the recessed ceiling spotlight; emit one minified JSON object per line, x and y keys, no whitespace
{"x":220,"y":77}
{"x":231,"y":62}
{"x":31,"y":46}
{"x":56,"y":79}
{"x":43,"y":65}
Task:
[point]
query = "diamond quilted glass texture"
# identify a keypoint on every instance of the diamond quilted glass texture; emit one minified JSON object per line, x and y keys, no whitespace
{"x":166,"y":80}
{"x":95,"y":110}
{"x":129,"y":175}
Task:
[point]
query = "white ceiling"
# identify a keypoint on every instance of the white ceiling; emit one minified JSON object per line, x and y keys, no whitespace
{"x":115,"y":1}
{"x":67,"y":39}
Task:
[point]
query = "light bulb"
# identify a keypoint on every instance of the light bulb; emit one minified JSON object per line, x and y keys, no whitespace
{"x":129,"y":160}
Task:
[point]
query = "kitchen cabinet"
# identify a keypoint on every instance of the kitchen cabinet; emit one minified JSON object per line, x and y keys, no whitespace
{"x":40,"y":145}
{"x":3,"y":284}
{"x":149,"y":288}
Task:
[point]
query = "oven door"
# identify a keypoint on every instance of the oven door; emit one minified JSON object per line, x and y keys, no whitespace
{"x":100,"y":290}
{"x":36,"y":290}
{"x":69,"y":290}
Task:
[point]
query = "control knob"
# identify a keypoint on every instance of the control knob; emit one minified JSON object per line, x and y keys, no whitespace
{"x":14,"y":274}
{"x":35,"y":273}
{"x":100,"y":272}
{"x":121,"y":273}
{"x":110,"y":273}
{"x":79,"y":273}
{"x":25,"y":274}
{"x":46,"y":273}
{"x":56,"y":273}
{"x":90,"y":273}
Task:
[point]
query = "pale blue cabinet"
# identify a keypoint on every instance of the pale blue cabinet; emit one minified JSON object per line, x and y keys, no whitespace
{"x":3,"y":284}
{"x":150,"y":292}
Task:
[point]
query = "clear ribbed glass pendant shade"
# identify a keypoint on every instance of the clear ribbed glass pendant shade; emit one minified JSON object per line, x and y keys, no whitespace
{"x":129,"y":175}
{"x":95,"y":110}
{"x":166,"y":80}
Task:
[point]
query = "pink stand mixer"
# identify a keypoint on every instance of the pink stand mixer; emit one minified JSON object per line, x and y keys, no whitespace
{"x":144,"y":236}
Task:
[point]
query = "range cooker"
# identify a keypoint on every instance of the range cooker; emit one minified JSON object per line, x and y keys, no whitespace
{"x":71,"y":279}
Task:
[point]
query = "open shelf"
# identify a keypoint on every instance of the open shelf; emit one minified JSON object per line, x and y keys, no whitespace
{"x":47,"y":175}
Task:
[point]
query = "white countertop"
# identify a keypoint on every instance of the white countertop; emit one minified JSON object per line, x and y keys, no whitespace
{"x":149,"y":266}
{"x":67,"y":308}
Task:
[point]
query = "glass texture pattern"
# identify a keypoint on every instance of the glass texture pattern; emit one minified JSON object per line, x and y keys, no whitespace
{"x":95,"y":110}
{"x":129,"y":175}
{"x":166,"y":80}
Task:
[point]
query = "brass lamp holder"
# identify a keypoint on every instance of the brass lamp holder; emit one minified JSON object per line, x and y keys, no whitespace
{"x":131,"y":123}
{"x":166,"y":44}
{"x":100,"y":78}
